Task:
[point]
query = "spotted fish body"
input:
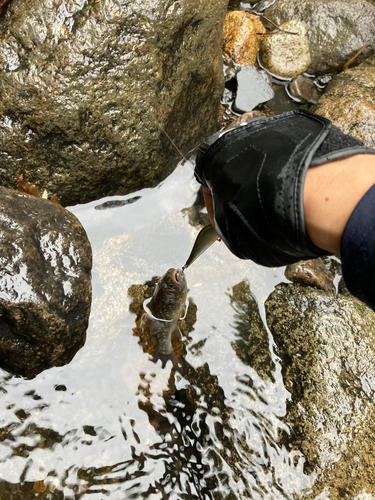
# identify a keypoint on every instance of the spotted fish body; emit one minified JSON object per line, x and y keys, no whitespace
{"x":166,"y":307}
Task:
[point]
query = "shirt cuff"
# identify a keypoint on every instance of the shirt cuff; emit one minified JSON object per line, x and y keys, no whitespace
{"x":358,"y":250}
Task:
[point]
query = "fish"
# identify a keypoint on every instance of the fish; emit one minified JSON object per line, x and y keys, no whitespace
{"x":162,"y":313}
{"x":206,"y":237}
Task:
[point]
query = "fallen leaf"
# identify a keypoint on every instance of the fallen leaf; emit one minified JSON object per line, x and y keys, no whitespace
{"x":55,"y":199}
{"x":27,"y":187}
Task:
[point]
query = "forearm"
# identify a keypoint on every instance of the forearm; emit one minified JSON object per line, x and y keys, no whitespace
{"x":331,"y":193}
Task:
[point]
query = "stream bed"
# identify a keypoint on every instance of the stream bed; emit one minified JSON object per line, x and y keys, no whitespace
{"x":112,"y":423}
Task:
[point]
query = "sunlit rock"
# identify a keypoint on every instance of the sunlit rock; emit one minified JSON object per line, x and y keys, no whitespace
{"x":326,"y":344}
{"x":336,"y":29}
{"x":349,"y":102}
{"x":87,"y":89}
{"x":45,"y":284}
{"x":241,"y":41}
{"x":286,"y":54}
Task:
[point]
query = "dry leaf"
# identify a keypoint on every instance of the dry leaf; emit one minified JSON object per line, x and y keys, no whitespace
{"x":55,"y":199}
{"x":27,"y":187}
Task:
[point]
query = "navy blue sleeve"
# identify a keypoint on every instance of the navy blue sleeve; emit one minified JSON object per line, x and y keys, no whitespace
{"x":358,"y":250}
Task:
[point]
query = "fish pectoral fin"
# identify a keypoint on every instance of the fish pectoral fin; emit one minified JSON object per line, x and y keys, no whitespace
{"x":177,"y":333}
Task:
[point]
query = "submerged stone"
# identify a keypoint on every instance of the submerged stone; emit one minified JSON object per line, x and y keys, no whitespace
{"x":326,"y":344}
{"x":45,"y":284}
{"x":253,"y":88}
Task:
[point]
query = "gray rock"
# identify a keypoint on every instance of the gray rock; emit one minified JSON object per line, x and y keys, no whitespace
{"x":86,"y":89}
{"x":336,"y":29}
{"x":326,"y":344}
{"x":253,"y":88}
{"x":349,"y":102}
{"x":45,"y":284}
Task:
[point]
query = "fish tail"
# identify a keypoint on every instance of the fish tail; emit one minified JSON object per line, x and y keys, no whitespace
{"x":166,"y":357}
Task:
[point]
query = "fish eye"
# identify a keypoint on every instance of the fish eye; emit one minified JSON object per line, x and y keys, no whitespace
{"x":171,"y":285}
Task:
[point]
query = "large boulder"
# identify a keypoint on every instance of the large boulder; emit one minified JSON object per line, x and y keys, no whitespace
{"x":336,"y":29}
{"x":326,"y":344}
{"x":88,"y":89}
{"x":45,"y":284}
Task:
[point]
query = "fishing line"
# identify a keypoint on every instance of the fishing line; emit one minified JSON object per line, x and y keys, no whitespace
{"x":153,"y":119}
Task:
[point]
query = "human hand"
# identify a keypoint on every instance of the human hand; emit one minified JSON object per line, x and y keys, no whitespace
{"x":254,"y":178}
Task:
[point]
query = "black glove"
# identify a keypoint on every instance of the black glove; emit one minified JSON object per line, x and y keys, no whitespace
{"x":256,"y":173}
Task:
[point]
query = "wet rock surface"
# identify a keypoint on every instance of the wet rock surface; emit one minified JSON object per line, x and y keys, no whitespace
{"x":45,"y":284}
{"x":303,"y":88}
{"x":283,"y":54}
{"x":326,"y":345}
{"x":241,"y":37}
{"x":311,"y":273}
{"x":86,"y":89}
{"x":349,"y":102}
{"x":253,"y":88}
{"x":336,"y":29}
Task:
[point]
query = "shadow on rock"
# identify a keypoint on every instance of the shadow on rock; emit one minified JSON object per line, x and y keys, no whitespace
{"x":252,"y":343}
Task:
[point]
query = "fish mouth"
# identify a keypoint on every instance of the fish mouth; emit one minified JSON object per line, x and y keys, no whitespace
{"x":177,"y":275}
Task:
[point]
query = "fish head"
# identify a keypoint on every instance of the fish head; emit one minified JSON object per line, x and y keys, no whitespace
{"x":169,"y":295}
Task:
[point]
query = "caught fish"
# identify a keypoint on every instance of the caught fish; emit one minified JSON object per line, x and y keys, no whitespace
{"x":204,"y":240}
{"x":162,"y":313}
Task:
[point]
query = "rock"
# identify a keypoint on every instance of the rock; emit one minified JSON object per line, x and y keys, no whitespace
{"x":86,"y":90}
{"x":286,"y":55}
{"x":303,"y":88}
{"x":241,"y":42}
{"x":326,"y":345}
{"x":349,"y":102}
{"x":246,"y":117}
{"x":253,"y":88}
{"x":370,"y":61}
{"x":45,"y":284}
{"x":311,"y":273}
{"x":336,"y":29}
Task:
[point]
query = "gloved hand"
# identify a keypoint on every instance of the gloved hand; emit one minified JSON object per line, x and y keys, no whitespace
{"x":256,"y":174}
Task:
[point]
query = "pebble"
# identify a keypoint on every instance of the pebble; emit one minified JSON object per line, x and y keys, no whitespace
{"x":241,"y":42}
{"x":303,"y":88}
{"x":311,"y":273}
{"x":283,"y":54}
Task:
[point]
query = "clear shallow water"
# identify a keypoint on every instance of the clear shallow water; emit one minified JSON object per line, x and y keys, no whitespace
{"x":112,"y":424}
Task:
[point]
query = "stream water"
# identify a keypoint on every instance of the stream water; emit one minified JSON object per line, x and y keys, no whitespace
{"x":113,"y":424}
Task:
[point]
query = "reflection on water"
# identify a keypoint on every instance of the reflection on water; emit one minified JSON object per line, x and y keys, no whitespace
{"x":113,"y":424}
